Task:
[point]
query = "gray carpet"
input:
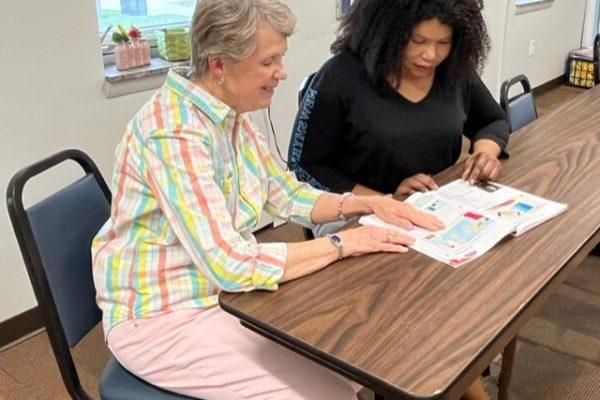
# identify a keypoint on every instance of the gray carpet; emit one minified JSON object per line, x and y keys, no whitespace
{"x":541,"y":373}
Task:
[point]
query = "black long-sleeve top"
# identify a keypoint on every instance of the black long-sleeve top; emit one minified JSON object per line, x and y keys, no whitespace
{"x":347,"y":131}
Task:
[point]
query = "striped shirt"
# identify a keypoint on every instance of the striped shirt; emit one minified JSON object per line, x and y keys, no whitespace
{"x":191,"y":181}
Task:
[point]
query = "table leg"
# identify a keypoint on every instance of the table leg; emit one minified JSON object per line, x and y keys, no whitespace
{"x":508,"y":359}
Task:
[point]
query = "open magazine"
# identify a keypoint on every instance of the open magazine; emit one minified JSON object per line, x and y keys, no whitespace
{"x":476,"y":218}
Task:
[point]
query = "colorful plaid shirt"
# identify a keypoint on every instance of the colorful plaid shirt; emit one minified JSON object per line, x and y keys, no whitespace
{"x":191,"y":181}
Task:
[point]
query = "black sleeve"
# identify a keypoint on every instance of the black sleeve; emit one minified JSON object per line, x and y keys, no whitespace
{"x":318,"y":133}
{"x":485,"y":118}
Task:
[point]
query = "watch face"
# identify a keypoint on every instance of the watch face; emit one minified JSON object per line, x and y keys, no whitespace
{"x":335,"y":239}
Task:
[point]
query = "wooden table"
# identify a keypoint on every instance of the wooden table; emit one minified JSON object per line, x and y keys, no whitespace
{"x":409,"y":327}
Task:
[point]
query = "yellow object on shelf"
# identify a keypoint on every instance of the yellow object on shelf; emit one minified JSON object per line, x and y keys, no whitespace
{"x":580,"y":68}
{"x":173,"y":44}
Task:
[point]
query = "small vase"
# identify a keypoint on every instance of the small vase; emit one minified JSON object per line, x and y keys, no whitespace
{"x":132,"y":59}
{"x":139,"y":52}
{"x":145,"y":51}
{"x":122,"y":55}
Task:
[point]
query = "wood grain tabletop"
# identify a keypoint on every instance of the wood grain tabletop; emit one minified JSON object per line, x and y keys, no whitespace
{"x":410,"y":327}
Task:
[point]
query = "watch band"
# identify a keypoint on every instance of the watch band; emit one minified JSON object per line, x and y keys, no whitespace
{"x":337,"y":242}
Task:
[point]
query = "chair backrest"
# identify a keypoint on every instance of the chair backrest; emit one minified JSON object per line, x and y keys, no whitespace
{"x":597,"y":60}
{"x":55,"y":237}
{"x":304,"y":86}
{"x":308,"y":233}
{"x":520,"y":110}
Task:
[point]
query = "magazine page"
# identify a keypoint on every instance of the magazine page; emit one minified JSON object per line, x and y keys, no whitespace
{"x":522,"y":210}
{"x":476,"y":218}
{"x":467,"y":235}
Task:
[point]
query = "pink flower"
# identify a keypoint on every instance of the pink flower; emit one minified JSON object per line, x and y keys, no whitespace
{"x":134,"y":33}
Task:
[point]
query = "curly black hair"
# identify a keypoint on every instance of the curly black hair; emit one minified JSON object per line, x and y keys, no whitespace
{"x":377,"y":31}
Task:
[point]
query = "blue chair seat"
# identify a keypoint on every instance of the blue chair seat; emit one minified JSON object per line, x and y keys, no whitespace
{"x":117,"y":383}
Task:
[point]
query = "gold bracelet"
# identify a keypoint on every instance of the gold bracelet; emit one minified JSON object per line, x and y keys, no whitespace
{"x":341,"y":215}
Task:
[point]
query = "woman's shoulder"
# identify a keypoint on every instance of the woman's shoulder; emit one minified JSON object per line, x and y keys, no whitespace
{"x":461,"y":86}
{"x":343,"y":66}
{"x":169,"y":115}
{"x":339,"y":75}
{"x":468,"y":82}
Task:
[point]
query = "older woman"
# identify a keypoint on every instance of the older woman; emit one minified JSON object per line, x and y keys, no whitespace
{"x":191,"y":181}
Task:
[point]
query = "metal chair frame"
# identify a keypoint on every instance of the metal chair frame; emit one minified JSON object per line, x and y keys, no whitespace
{"x":59,"y":339}
{"x":505,"y":101}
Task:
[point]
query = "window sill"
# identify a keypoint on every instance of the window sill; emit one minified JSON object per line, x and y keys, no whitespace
{"x":532,"y":6}
{"x":120,"y":83}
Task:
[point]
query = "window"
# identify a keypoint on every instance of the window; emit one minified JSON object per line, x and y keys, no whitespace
{"x":147,"y":15}
{"x":529,"y":2}
{"x":526,"y":6}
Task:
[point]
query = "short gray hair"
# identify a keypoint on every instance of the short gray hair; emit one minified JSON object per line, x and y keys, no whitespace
{"x":227,"y":28}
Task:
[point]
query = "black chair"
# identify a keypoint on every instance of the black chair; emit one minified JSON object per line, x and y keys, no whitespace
{"x":596,"y":250}
{"x":520,"y":109}
{"x":304,"y":85}
{"x":55,"y":237}
{"x":597,"y":60}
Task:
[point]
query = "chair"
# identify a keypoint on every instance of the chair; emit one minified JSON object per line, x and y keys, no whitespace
{"x":304,"y":85}
{"x":520,"y":110}
{"x":596,"y":250}
{"x":597,"y":60}
{"x":55,"y":237}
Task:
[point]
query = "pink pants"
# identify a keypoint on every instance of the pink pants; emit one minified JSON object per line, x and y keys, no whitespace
{"x":207,"y":354}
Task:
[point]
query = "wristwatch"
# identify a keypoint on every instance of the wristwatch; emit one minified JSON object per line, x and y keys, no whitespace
{"x":337,"y":242}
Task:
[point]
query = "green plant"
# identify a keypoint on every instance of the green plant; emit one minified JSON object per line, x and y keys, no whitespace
{"x":120,"y":35}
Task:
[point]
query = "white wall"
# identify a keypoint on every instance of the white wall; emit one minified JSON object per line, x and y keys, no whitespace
{"x":51,"y":87}
{"x":495,"y":17}
{"x":51,"y":98}
{"x":590,"y":25}
{"x":556,"y":30}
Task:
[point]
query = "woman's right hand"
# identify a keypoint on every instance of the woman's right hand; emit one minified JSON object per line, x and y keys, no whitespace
{"x":402,"y":214}
{"x":371,"y":239}
{"x":304,"y":258}
{"x":415,"y":183}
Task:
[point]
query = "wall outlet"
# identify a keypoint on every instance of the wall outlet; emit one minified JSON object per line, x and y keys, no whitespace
{"x":531,"y":47}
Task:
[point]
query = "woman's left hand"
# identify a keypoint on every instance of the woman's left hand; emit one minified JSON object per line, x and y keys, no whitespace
{"x":481,"y":166}
{"x":403,"y":214}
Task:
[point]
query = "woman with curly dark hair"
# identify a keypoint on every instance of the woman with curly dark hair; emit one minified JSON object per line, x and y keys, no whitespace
{"x":391,"y":107}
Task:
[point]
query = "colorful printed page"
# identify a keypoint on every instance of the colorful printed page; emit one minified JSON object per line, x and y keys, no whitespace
{"x":476,"y":218}
{"x":521,"y":210}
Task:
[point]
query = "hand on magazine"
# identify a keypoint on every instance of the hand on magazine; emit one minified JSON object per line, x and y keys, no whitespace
{"x":415,"y":183}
